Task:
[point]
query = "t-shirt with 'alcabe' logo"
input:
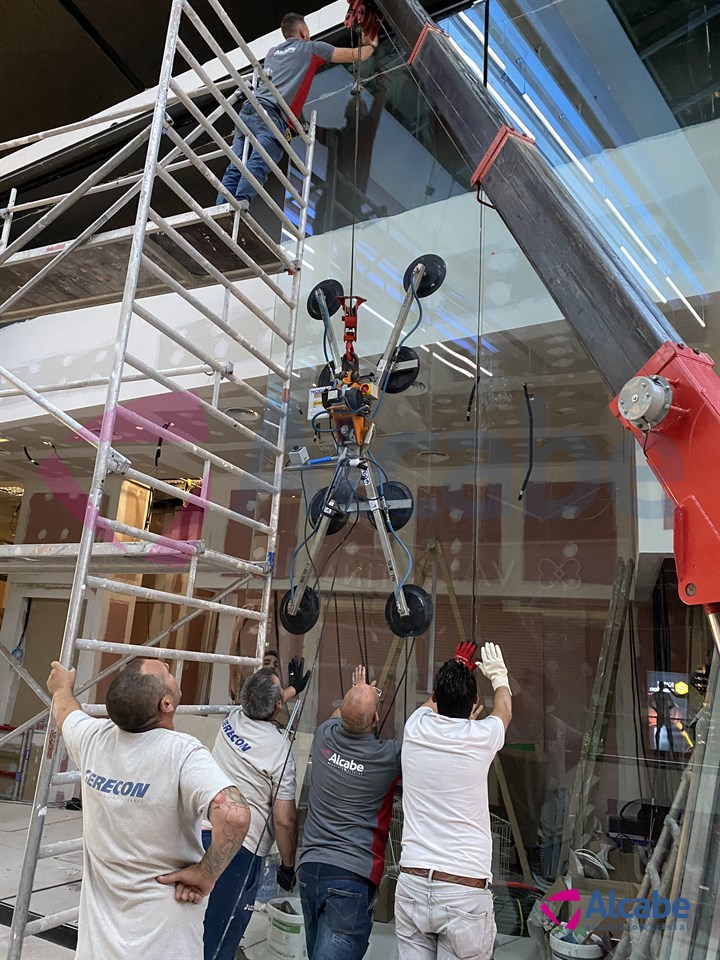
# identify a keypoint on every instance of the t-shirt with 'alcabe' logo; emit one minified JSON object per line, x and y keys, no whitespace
{"x":144,"y":796}
{"x":352,"y":784}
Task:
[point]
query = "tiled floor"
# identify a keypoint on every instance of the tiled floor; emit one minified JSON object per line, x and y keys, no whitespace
{"x":383,"y":945}
{"x":36,"y":949}
{"x":57,"y":887}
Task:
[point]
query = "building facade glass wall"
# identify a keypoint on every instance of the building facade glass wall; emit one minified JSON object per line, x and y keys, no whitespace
{"x":533,"y":573}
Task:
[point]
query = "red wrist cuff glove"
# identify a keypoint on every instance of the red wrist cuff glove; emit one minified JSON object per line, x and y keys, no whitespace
{"x":465,"y":653}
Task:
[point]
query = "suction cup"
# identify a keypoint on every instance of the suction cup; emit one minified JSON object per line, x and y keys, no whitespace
{"x":421,"y":612}
{"x":433,"y":277}
{"x":332,"y":289}
{"x":307,"y":615}
{"x":343,"y":496}
{"x":393,"y":491}
{"x":399,"y":380}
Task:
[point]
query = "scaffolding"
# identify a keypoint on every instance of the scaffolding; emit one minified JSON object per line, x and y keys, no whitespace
{"x":198,"y":246}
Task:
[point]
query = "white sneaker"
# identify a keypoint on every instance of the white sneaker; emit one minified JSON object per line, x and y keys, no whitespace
{"x":244,"y":206}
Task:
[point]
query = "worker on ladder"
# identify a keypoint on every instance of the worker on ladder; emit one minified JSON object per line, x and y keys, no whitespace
{"x":292,"y":66}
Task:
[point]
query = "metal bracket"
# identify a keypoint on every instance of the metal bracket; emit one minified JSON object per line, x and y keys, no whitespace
{"x":492,"y":153}
{"x":117,"y":463}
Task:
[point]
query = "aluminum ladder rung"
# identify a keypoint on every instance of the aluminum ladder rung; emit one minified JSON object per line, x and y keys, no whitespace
{"x":51,"y":921}
{"x":163,"y":653}
{"x":178,"y":599}
{"x":60,"y":847}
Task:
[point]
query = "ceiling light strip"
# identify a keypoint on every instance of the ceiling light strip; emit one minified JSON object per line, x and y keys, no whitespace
{"x":553,"y":132}
{"x":481,"y":37}
{"x":642,"y":273}
{"x":630,"y":230}
{"x":378,"y":315}
{"x":511,"y":113}
{"x":458,"y":356}
{"x":687,"y":303}
{"x":454,"y":366}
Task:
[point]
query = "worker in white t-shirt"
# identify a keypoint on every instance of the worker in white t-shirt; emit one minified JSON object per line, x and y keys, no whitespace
{"x":145,"y":790}
{"x":443,"y":904}
{"x":256,"y":756}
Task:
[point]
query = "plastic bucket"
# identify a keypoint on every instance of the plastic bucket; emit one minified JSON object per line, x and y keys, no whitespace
{"x":286,"y":933}
{"x":573,"y":951}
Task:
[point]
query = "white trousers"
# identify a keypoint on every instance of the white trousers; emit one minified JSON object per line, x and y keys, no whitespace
{"x":443,"y":921}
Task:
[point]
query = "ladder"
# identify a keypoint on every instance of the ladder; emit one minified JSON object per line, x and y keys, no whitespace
{"x":197,"y":247}
{"x":662,"y":866}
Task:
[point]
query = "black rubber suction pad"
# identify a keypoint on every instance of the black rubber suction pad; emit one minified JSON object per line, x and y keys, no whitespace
{"x":344,"y":495}
{"x":399,"y":380}
{"x":307,"y":615}
{"x":433,"y":277}
{"x":394,"y":491}
{"x":332,"y":290}
{"x":421,"y":612}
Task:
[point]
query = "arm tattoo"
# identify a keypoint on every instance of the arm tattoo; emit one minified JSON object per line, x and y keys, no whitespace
{"x":226,"y":839}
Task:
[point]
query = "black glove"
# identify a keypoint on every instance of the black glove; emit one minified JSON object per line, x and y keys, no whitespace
{"x":295,"y":675}
{"x":286,"y":877}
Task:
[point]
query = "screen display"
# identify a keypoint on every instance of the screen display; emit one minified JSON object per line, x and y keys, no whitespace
{"x":668,"y":712}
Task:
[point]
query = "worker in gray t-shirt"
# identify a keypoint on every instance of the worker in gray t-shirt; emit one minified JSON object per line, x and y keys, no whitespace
{"x":291,"y":66}
{"x":352,"y":785}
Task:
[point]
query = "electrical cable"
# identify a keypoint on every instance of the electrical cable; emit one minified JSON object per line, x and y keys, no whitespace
{"x":337,"y":643}
{"x":326,"y":324}
{"x":392,"y":530}
{"x":531,"y":426}
{"x":397,"y":687}
{"x":363,"y":659}
{"x":362,"y":610}
{"x":303,"y":701}
{"x":358,"y":93}
{"x":402,"y":342}
{"x":294,"y":554}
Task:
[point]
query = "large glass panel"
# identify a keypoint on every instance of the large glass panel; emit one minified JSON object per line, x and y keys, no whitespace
{"x":526,"y":491}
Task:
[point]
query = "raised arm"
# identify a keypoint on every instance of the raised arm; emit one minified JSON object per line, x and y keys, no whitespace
{"x":358,"y":676}
{"x":352,"y":54}
{"x":297,"y":679}
{"x":236,"y":675}
{"x":60,"y":684}
{"x":492,"y":666}
{"x":230,"y":818}
{"x":285,"y":821}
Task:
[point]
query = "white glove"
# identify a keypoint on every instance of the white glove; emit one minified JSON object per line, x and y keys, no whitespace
{"x":492,"y":666}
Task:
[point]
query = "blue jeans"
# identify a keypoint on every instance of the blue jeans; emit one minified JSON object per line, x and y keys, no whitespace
{"x":337,"y":907}
{"x":256,"y":164}
{"x":239,"y":880}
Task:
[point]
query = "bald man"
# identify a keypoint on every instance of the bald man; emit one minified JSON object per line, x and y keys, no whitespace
{"x":352,"y":786}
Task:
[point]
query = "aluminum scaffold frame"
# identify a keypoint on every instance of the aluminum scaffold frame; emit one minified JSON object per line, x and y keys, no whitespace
{"x":109,"y":460}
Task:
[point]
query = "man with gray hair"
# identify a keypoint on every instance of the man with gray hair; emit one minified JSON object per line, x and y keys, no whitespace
{"x":146,"y":789}
{"x":255,"y":755}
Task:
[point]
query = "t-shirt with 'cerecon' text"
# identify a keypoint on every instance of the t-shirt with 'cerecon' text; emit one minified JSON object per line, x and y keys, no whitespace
{"x":352,"y":784}
{"x":256,"y":756}
{"x":144,"y":796}
{"x":445,"y":763}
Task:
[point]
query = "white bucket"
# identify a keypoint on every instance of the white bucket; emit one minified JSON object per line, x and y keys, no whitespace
{"x":574,"y":951}
{"x":286,"y":933}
